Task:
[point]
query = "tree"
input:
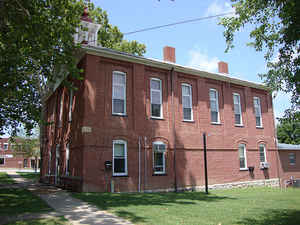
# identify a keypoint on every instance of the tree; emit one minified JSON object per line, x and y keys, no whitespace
{"x":36,"y":38}
{"x":26,"y":147}
{"x":288,"y":132}
{"x":277,"y":30}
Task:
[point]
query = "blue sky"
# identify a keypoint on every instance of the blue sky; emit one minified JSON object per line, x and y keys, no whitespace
{"x":199,"y":44}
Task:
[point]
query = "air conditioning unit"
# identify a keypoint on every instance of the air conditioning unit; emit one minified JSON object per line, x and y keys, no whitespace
{"x":264,"y":165}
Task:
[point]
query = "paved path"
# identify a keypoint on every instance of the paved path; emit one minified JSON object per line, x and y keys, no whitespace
{"x":75,"y":210}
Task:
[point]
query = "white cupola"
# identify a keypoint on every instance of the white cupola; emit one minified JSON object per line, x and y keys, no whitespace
{"x":87,"y":33}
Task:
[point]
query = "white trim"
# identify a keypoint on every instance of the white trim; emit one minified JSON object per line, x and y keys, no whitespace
{"x":217,"y":105}
{"x":265,"y":152}
{"x":125,"y":157}
{"x":259,"y":105}
{"x":191,"y":101}
{"x":240,"y":109}
{"x":61,"y":108}
{"x":245,"y":156}
{"x":112,"y":97}
{"x":161,"y":99}
{"x":67,"y":158}
{"x":164,"y":157}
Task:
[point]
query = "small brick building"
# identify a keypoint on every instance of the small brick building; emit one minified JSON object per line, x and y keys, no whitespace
{"x":137,"y":124}
{"x":9,"y":160}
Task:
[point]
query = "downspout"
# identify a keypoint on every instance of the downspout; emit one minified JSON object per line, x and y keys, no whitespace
{"x":139,"y":186}
{"x":174,"y":132}
{"x":145,"y":169}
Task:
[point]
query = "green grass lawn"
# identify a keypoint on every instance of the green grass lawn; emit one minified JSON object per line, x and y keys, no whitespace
{"x":5,"y":179}
{"x":251,"y":206}
{"x":52,"y":221}
{"x":16,"y":201}
{"x":30,"y":175}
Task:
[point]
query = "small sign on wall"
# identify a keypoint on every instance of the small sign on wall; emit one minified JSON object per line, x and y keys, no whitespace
{"x":86,"y":129}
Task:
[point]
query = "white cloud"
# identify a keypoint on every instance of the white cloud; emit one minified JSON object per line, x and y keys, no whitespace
{"x":202,"y":61}
{"x":216,"y":8}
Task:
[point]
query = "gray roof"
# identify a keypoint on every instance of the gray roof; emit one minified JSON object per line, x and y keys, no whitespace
{"x":282,"y":146}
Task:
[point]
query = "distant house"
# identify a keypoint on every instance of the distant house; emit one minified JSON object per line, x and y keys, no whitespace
{"x":137,"y":124}
{"x":289,"y":162}
{"x":10,"y":160}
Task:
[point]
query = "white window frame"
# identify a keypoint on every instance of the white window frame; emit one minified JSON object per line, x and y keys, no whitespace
{"x":294,"y":156}
{"x":125,"y":157}
{"x":112,"y":99}
{"x":161,"y":100}
{"x":5,"y":144}
{"x":191,"y":100}
{"x":259,"y":108}
{"x":265,"y":153}
{"x":3,"y":161}
{"x":217,"y":105}
{"x":239,"y":107}
{"x":70,"y":105}
{"x":164,"y":157}
{"x":245,"y":154}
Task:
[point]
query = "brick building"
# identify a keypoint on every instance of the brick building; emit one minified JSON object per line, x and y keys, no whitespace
{"x":147,"y":117}
{"x":9,"y":160}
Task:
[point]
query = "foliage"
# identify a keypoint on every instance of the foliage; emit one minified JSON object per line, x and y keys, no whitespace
{"x":288,"y":129}
{"x":26,"y":147}
{"x":16,"y":200}
{"x":260,"y":206}
{"x":277,"y":29}
{"x":36,"y":38}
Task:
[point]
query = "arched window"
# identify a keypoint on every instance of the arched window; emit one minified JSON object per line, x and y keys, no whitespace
{"x":159,"y":157}
{"x":119,"y":158}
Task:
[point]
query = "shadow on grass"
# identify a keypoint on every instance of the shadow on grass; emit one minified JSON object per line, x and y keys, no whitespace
{"x":276,"y":217}
{"x":129,"y":216}
{"x":30,"y":175}
{"x":52,"y":221}
{"x":107,"y":201}
{"x":16,"y":201}
{"x":5,"y":179}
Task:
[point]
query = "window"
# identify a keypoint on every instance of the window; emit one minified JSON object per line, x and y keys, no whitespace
{"x":237,"y":109}
{"x":242,"y":155}
{"x":70,"y":105}
{"x":119,"y":93}
{"x":156,"y":98}
{"x":214,"y":105}
{"x":159,"y":162}
{"x":25,"y":163}
{"x":262,"y":153}
{"x":257,"y":110}
{"x":61,"y":109}
{"x":67,"y":159}
{"x":49,"y":162}
{"x":5,"y":146}
{"x":2,"y":161}
{"x":292,"y":158}
{"x":119,"y":158}
{"x":187,"y":102}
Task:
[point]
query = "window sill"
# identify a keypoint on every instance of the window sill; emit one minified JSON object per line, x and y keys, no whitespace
{"x":159,"y":174}
{"x":120,"y":115}
{"x":243,"y":169}
{"x":259,"y":127}
{"x":156,"y":118}
{"x":215,"y":123}
{"x":238,"y":125}
{"x":116,"y":175}
{"x":188,"y":121}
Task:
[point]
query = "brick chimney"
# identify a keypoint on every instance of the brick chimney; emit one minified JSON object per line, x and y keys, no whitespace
{"x":223,"y":67}
{"x":169,"y":54}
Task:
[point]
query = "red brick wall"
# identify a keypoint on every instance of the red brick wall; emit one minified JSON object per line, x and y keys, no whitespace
{"x":92,"y":108}
{"x":287,"y":170}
